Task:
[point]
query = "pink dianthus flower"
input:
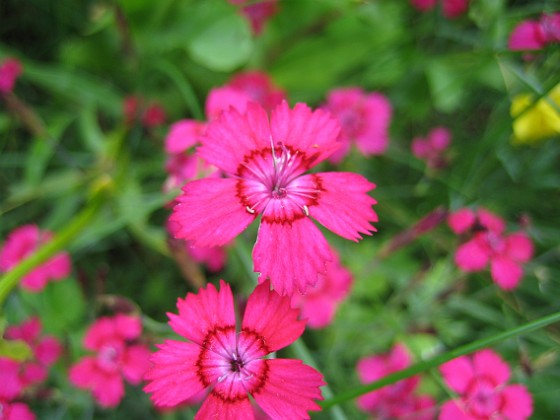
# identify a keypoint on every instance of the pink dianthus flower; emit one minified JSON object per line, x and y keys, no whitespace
{"x":432,"y":147}
{"x":46,"y":350}
{"x":11,"y":386}
{"x":489,"y":244}
{"x":481,"y":384}
{"x":320,"y":302}
{"x":257,"y":12}
{"x":231,"y":364}
{"x":20,"y":244}
{"x":259,"y":87}
{"x":393,"y":401}
{"x":10,"y":69}
{"x":364,"y":119}
{"x":450,"y":8}
{"x":265,"y":161}
{"x":15,"y":411}
{"x":527,"y":35}
{"x":118,"y":355}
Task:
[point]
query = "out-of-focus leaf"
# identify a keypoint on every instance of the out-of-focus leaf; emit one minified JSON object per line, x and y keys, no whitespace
{"x":91,"y":134}
{"x":15,"y":349}
{"x":55,"y":184}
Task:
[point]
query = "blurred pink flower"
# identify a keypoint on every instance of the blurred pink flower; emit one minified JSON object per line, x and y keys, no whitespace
{"x":432,"y":147}
{"x":480,"y":382}
{"x":10,"y":69}
{"x":153,"y":116}
{"x":237,"y":366}
{"x":135,"y":109}
{"x":397,"y":400}
{"x":487,"y":243}
{"x":20,"y":244}
{"x":450,"y":8}
{"x":259,"y":87}
{"x":15,"y":411}
{"x":527,"y":35}
{"x":364,"y":119}
{"x":319,"y":304}
{"x":265,"y":160}
{"x":11,"y":384}
{"x":213,"y":257}
{"x":257,"y":12}
{"x":118,"y":355}
{"x":46,"y":350}
{"x":550,"y":25}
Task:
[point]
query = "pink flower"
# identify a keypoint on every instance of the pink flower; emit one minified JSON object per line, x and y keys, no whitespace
{"x":11,"y":384}
{"x":550,"y":25}
{"x":527,"y":35}
{"x":488,"y":244}
{"x":364,"y":119}
{"x":46,"y":350}
{"x":10,"y":69}
{"x":432,"y":147}
{"x":480,"y":382}
{"x":319,"y":304}
{"x":15,"y":411}
{"x":257,"y":12}
{"x":259,"y":87}
{"x":153,"y":116}
{"x":450,"y":8}
{"x":214,"y":257}
{"x":231,"y":363}
{"x":150,"y":116}
{"x":118,"y":355}
{"x":265,"y":161}
{"x":20,"y":244}
{"x":397,"y":400}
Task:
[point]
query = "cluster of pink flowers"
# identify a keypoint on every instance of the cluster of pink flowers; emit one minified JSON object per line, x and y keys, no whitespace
{"x":257,"y":12}
{"x":535,"y":34}
{"x":488,"y":243}
{"x":364,"y":119}
{"x":118,"y":354}
{"x":231,"y":364}
{"x":20,"y":244}
{"x":397,"y":401}
{"x":431,"y":148}
{"x":10,"y":69}
{"x":150,"y":115}
{"x":450,"y":8}
{"x":16,"y":377}
{"x":480,"y":382}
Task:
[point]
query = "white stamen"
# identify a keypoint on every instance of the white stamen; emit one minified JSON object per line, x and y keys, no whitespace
{"x":250,"y":210}
{"x":305,"y":210}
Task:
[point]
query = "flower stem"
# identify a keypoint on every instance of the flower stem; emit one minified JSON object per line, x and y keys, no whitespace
{"x":11,"y":279}
{"x":426,"y":365}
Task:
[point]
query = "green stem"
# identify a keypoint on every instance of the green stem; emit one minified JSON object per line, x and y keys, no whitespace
{"x":426,"y":365}
{"x":11,"y":279}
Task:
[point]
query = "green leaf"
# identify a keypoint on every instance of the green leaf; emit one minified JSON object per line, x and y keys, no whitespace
{"x":15,"y":349}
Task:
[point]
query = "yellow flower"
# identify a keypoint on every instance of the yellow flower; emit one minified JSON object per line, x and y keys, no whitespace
{"x":540,"y":121}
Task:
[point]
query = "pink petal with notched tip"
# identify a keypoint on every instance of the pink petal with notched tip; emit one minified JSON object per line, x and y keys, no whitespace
{"x":519,"y":247}
{"x":315,"y":133}
{"x":491,"y":221}
{"x":201,"y":313}
{"x":291,"y":254}
{"x":48,"y":350}
{"x":505,"y":272}
{"x":271,"y":316}
{"x":128,"y":327}
{"x":343,"y":205}
{"x":233,"y":136}
{"x":517,"y":403}
{"x":209,"y":213}
{"x":451,"y":410}
{"x":135,"y":363}
{"x":183,"y":135}
{"x":173,"y":376}
{"x":461,"y":221}
{"x":458,"y":373}
{"x":215,"y":407}
{"x":527,"y":35}
{"x":489,"y":364}
{"x":290,"y":389}
{"x":471,"y":256}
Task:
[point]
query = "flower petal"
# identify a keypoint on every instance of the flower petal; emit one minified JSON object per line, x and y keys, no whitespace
{"x":215,"y":407}
{"x":9,"y":378}
{"x":109,"y":391}
{"x":314,"y":133}
{"x":518,"y":403}
{"x":343,"y":205}
{"x":519,"y":247}
{"x":471,"y":256}
{"x":458,"y":373}
{"x":270,"y":316}
{"x":290,"y":389}
{"x":505,"y":272}
{"x":129,"y":327}
{"x":290,"y":254}
{"x":135,"y":362}
{"x":202,"y":313}
{"x":182,"y":135}
{"x":233,"y":136}
{"x":491,"y":221}
{"x":373,"y":139}
{"x":173,"y":376}
{"x":451,"y":410}
{"x":209,"y":213}
{"x":489,"y":364}
{"x":461,"y":220}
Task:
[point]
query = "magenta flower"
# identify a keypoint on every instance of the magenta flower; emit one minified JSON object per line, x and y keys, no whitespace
{"x":15,"y":411}
{"x":319,"y":304}
{"x":10,"y":69}
{"x":488,"y":244}
{"x":480,"y":382}
{"x":46,"y":350}
{"x":11,"y":384}
{"x":527,"y":35}
{"x":397,"y":400}
{"x":259,"y":87}
{"x":432,"y":147}
{"x":265,"y":161}
{"x":450,"y":8}
{"x":364,"y":119}
{"x":257,"y":12}
{"x":231,"y":364}
{"x":118,"y":355}
{"x":20,"y":244}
